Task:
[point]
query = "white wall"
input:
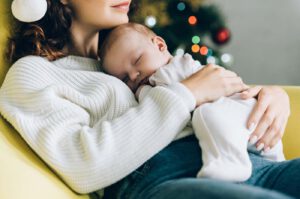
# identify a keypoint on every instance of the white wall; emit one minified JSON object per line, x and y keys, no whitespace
{"x":265,"y":39}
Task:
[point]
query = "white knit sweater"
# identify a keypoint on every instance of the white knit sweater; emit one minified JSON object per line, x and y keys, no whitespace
{"x":86,"y":125}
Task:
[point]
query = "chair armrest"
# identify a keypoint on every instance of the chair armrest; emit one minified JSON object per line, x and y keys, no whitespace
{"x":291,"y":138}
{"x":23,"y":174}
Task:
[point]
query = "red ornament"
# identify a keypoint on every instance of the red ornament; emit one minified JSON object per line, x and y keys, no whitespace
{"x":221,"y":36}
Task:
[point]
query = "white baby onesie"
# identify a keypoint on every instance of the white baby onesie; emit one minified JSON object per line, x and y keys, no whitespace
{"x":220,"y":127}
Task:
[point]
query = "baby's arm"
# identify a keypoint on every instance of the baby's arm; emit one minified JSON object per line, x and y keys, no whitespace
{"x":142,"y":91}
{"x":179,"y":68}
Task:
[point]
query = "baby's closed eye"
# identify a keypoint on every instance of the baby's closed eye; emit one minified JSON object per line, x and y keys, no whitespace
{"x":125,"y":79}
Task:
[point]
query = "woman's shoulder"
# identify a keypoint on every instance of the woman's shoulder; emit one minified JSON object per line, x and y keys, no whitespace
{"x":30,"y":60}
{"x":27,"y":69}
{"x":32,"y":67}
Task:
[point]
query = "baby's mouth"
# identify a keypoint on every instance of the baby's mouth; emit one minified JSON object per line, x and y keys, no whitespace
{"x":144,"y":81}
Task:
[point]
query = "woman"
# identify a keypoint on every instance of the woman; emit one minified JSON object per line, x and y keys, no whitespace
{"x":89,"y":129}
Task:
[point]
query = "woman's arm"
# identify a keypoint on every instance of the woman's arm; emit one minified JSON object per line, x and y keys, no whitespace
{"x":57,"y":120}
{"x":270,"y":115}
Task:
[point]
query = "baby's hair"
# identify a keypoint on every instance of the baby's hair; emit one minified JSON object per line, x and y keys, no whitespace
{"x":118,"y":31}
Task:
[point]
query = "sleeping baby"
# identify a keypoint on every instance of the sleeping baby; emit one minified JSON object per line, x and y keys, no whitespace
{"x":137,"y":56}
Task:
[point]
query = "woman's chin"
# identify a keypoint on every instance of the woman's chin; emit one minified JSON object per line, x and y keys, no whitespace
{"x":117,"y":21}
{"x":123,"y":19}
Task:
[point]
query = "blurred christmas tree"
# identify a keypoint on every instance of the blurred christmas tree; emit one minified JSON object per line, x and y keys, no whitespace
{"x":185,"y":25}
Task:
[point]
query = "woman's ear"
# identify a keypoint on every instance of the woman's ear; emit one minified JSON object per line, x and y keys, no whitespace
{"x":160,"y":43}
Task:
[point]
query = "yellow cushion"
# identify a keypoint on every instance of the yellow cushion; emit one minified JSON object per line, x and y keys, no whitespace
{"x":22,"y":173}
{"x":291,"y":138}
{"x":3,"y":36}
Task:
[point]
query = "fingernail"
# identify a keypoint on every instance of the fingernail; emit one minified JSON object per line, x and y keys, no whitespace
{"x":260,"y":146}
{"x":253,"y":140}
{"x":267,"y":149}
{"x":252,"y":126}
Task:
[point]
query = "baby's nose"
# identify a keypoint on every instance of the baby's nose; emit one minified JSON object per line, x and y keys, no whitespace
{"x":133,"y":75}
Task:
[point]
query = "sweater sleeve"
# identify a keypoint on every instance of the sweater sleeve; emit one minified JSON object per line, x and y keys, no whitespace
{"x":89,"y":155}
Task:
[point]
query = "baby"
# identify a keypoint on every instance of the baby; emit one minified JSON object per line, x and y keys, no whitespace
{"x":137,"y":56}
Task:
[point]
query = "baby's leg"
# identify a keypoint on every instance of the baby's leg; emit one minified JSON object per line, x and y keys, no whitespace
{"x":221,"y":129}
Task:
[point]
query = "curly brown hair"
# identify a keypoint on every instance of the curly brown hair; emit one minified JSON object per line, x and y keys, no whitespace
{"x":46,"y":37}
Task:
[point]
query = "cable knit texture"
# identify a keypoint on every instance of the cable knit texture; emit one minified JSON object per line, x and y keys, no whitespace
{"x":86,"y":125}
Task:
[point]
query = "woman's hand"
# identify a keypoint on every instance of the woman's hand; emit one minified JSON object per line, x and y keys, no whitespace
{"x":213,"y":82}
{"x":270,"y":115}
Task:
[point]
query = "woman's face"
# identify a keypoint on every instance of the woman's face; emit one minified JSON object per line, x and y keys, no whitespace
{"x":100,"y":14}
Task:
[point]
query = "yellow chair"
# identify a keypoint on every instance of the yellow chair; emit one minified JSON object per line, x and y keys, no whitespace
{"x":24,"y":175}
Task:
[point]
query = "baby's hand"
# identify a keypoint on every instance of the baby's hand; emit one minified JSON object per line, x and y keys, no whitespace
{"x":142,"y":91}
{"x":137,"y":93}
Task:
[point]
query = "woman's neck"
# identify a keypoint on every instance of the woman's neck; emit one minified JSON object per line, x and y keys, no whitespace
{"x":84,"y":41}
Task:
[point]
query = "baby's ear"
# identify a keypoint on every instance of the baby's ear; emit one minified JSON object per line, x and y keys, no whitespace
{"x":160,"y":43}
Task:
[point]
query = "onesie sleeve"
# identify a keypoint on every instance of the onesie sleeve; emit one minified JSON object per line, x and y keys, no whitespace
{"x":179,"y":68}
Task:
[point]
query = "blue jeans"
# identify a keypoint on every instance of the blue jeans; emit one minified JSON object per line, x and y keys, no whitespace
{"x":171,"y":174}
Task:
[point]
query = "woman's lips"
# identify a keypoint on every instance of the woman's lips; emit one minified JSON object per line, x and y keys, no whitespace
{"x":123,"y":6}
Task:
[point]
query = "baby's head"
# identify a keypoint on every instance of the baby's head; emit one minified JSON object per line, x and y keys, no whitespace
{"x":132,"y":53}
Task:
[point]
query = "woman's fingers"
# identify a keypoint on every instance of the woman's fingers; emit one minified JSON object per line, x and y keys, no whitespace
{"x":236,"y":84}
{"x":258,"y":112}
{"x":262,"y":127}
{"x":272,"y":135}
{"x":277,"y":129}
{"x":232,"y":83}
{"x":278,"y":137}
{"x":270,"y":114}
{"x":251,"y":92}
{"x":212,"y":82}
{"x":219,"y":70}
{"x":228,"y":73}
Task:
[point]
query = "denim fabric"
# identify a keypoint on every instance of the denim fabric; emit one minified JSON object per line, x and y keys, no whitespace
{"x":171,"y":174}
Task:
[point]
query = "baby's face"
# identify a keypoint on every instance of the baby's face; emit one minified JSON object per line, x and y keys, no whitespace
{"x":133,"y":58}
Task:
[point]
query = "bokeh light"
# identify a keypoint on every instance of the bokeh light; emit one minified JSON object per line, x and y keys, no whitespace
{"x":195,"y":39}
{"x":150,"y":21}
{"x":211,"y":60}
{"x":226,"y":58}
{"x":203,"y":50}
{"x":179,"y":51}
{"x":192,"y":20}
{"x":198,"y":62}
{"x":209,"y":52}
{"x":181,"y":6}
{"x":195,"y":48}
